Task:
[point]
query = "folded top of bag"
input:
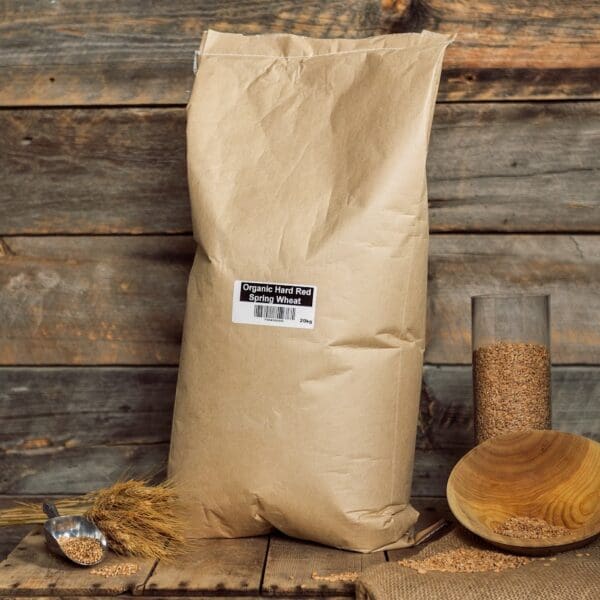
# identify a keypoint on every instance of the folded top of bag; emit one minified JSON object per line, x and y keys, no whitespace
{"x":297,"y":46}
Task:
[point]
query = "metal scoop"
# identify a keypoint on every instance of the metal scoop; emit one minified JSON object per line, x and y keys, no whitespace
{"x":58,"y":529}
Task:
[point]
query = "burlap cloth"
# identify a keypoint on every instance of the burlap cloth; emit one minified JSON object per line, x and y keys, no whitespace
{"x":572,"y":575}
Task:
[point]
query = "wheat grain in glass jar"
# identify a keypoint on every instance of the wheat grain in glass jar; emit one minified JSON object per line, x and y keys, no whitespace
{"x":511,"y":364}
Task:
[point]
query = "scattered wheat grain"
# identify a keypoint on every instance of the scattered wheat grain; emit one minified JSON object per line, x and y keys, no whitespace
{"x":116,"y":570}
{"x":465,"y":560}
{"x":334,"y":577}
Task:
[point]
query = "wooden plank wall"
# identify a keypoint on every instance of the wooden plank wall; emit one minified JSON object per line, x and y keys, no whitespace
{"x":95,"y":240}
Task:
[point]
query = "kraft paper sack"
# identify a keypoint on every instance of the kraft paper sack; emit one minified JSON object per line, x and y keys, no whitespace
{"x":300,"y":372}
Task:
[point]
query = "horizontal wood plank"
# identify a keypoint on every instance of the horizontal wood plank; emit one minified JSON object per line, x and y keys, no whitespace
{"x":139,"y":53}
{"x":61,"y":472}
{"x":31,"y":570}
{"x":301,"y":568}
{"x":120,"y":300}
{"x":213,"y":567}
{"x":70,"y":430}
{"x":49,"y":410}
{"x":446,"y":414}
{"x":566,"y":267}
{"x":37,"y":473}
{"x":491,"y":167}
{"x":81,"y":469}
{"x":92,"y":300}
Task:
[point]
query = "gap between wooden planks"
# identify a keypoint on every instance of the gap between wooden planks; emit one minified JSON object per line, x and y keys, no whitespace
{"x":247,"y":566}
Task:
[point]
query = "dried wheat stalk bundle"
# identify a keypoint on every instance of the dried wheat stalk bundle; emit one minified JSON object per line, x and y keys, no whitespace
{"x":137,"y":518}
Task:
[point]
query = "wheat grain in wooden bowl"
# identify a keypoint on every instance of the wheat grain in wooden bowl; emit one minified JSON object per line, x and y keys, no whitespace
{"x":530,"y":492}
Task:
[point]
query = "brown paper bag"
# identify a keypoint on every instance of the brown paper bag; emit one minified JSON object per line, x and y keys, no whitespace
{"x":303,"y":341}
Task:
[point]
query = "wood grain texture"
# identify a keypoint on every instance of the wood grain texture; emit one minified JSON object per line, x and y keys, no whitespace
{"x":74,"y":470}
{"x":446,"y":415}
{"x":291,"y":565}
{"x":492,"y":167}
{"x":50,"y":410}
{"x":31,"y":570}
{"x":11,"y":536}
{"x":133,"y":52}
{"x":57,"y":408}
{"x":562,"y":266}
{"x":93,"y":300}
{"x":548,"y":475}
{"x":94,"y":171}
{"x":81,"y":469}
{"x":214,"y":566}
{"x":120,"y":300}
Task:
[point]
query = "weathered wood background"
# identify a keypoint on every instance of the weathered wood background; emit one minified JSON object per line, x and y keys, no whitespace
{"x":95,"y":239}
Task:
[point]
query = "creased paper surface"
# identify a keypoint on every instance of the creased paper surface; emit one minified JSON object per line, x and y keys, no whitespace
{"x":306,"y":166}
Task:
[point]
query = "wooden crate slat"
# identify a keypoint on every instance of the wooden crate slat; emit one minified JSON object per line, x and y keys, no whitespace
{"x":214,"y":566}
{"x":140,"y":53}
{"x":31,"y":570}
{"x":107,"y":300}
{"x":292,"y":563}
{"x":491,"y":167}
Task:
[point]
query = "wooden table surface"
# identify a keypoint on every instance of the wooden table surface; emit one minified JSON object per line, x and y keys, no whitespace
{"x":262,"y":566}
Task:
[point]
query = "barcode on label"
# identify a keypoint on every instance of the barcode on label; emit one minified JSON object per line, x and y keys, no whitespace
{"x":274,"y":313}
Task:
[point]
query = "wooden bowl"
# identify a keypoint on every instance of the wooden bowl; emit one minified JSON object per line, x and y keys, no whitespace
{"x":549,"y":475}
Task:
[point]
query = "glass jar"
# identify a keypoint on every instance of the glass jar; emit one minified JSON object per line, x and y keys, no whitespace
{"x":511,"y":364}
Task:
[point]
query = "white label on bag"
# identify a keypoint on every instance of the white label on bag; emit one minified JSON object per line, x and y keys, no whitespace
{"x":274,"y":304}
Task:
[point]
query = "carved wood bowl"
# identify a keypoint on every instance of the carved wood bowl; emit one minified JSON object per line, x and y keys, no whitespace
{"x":547,"y":475}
